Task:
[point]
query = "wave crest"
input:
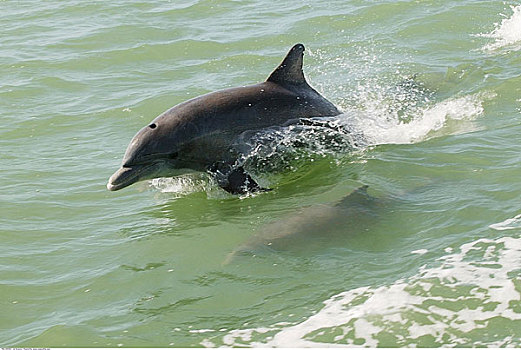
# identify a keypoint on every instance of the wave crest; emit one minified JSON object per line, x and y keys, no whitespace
{"x":507,"y":33}
{"x":461,"y":302}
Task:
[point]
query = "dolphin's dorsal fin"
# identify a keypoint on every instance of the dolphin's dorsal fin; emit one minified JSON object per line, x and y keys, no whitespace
{"x":290,"y":70}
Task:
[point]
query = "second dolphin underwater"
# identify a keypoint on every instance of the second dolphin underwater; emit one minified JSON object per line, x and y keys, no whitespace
{"x":321,"y":224}
{"x":199,"y":134}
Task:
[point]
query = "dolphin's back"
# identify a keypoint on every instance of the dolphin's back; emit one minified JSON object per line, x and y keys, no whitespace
{"x":285,"y":95}
{"x":251,"y":107}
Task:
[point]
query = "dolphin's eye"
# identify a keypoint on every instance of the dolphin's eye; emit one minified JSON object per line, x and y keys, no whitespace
{"x":173,"y":155}
{"x":152,"y":126}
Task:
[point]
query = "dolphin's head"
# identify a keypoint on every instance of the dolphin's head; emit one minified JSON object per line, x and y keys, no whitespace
{"x":153,"y":152}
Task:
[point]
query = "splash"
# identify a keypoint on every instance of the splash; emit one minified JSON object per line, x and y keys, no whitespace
{"x":273,"y":150}
{"x":459,"y":303}
{"x":388,"y":105}
{"x":507,"y":33}
{"x":290,"y":147}
{"x":380,"y":127}
{"x":184,"y":184}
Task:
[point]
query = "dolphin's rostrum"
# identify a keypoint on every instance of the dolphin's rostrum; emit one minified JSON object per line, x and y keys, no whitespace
{"x":199,"y":134}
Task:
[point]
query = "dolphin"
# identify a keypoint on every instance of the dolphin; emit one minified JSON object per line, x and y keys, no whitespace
{"x":313,"y":223}
{"x":200,"y":134}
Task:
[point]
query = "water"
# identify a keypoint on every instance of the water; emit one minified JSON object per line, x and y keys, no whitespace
{"x":430,"y":258}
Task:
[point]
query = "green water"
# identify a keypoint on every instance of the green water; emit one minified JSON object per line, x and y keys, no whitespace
{"x":433,"y":260}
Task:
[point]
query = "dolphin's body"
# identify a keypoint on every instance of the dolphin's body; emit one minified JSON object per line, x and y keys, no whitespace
{"x":310,"y":224}
{"x":199,"y":134}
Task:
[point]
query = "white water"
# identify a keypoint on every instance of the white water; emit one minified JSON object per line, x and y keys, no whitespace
{"x":379,"y":128}
{"x":508,"y":224}
{"x":507,"y":34}
{"x":469,"y":289}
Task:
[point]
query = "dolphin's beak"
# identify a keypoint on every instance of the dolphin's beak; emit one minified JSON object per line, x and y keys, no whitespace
{"x":125,"y":176}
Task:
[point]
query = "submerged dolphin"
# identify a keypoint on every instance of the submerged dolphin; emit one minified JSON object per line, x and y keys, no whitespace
{"x":312,"y":223}
{"x":199,"y":134}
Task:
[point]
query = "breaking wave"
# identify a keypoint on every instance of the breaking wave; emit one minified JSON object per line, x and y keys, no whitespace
{"x":509,"y":224}
{"x":460,"y":302}
{"x":507,"y":33}
{"x":379,"y":129}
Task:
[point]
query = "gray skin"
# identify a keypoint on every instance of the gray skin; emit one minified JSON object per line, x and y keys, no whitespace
{"x":199,"y":134}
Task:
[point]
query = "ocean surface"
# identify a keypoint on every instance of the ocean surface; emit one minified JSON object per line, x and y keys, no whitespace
{"x":428,"y":254}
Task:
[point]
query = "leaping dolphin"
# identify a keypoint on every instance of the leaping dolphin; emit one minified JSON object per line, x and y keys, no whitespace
{"x":199,"y":134}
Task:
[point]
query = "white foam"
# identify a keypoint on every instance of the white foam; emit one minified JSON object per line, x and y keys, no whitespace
{"x":507,"y":33}
{"x":449,"y":304}
{"x":509,"y":224}
{"x":201,"y":330}
{"x":379,"y":128}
